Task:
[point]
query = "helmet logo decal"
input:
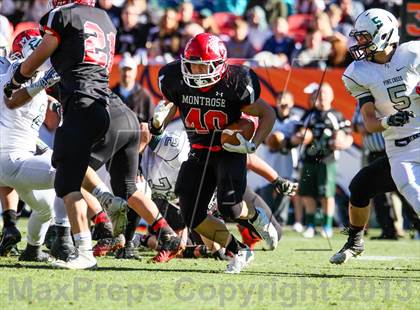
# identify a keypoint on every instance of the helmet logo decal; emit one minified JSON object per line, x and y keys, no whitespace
{"x":377,"y":22}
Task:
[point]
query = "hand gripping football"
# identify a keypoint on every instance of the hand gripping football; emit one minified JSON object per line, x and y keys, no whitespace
{"x":243,"y":126}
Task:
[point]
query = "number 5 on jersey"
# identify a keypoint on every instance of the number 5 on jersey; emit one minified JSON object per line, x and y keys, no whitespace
{"x":99,"y":49}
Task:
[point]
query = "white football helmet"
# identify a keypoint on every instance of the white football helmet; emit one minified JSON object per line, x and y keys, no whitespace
{"x":374,"y":30}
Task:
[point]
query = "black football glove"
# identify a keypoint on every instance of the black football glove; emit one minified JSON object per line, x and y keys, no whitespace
{"x":399,"y":119}
{"x":9,"y":88}
{"x":285,"y":187}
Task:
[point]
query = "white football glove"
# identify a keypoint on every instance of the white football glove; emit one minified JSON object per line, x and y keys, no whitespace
{"x":160,"y":113}
{"x":244,"y":146}
{"x":49,"y":78}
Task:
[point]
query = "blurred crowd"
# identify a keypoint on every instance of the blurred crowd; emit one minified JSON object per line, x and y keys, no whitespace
{"x":278,"y":33}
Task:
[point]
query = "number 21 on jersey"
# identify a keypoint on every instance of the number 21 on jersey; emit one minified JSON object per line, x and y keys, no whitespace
{"x":99,"y":48}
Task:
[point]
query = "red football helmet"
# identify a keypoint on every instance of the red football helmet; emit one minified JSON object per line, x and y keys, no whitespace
{"x":56,"y":3}
{"x":204,"y":49}
{"x":25,"y":43}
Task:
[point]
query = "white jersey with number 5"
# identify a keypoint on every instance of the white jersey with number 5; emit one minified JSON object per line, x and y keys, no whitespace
{"x":19,"y":128}
{"x":392,"y":87}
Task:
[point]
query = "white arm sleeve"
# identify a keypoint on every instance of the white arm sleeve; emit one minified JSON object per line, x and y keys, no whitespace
{"x":356,"y":89}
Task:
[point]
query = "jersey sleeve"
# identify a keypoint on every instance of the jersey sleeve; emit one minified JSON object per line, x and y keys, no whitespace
{"x":53,"y":23}
{"x":357,"y":90}
{"x":169,"y":145}
{"x":166,"y":85}
{"x":249,"y":88}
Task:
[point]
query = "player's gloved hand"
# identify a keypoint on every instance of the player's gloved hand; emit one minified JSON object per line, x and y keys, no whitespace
{"x":17,"y":80}
{"x":244,"y":146}
{"x":9,"y":88}
{"x":49,"y":78}
{"x":285,"y":187}
{"x":160,"y":113}
{"x":398,"y":119}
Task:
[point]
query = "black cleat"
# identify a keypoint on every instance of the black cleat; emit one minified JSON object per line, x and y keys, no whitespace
{"x":10,"y":237}
{"x":127,"y":252}
{"x":33,"y":253}
{"x":63,"y":245}
{"x":50,"y":237}
{"x":102,"y":231}
{"x":14,"y":251}
{"x":351,"y":248}
{"x":168,"y":241}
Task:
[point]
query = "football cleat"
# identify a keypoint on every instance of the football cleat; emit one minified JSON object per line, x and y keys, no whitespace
{"x":240,"y":260}
{"x":62,"y":247}
{"x":50,"y":237}
{"x":79,"y":260}
{"x":127,"y":252}
{"x":10,"y":237}
{"x":108,"y":245}
{"x":102,"y":231}
{"x":34,"y":254}
{"x":350,"y":249}
{"x":266,"y":229}
{"x":116,"y":208}
{"x":165,"y":256}
{"x":168,"y":240}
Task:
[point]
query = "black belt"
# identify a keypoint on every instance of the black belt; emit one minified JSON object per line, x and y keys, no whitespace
{"x":405,"y":141}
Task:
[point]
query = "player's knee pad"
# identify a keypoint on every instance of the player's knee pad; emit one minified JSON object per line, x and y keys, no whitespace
{"x":230,"y":212}
{"x":360,"y":193}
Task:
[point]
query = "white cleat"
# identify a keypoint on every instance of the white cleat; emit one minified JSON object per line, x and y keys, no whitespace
{"x":266,"y":229}
{"x":297,"y":227}
{"x":309,"y":232}
{"x":116,"y":208}
{"x":240,"y":260}
{"x":81,"y":260}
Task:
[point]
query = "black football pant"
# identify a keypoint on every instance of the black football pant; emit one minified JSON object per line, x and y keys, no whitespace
{"x":97,"y":135}
{"x":382,"y":205}
{"x":119,"y":150}
{"x":198,"y":178}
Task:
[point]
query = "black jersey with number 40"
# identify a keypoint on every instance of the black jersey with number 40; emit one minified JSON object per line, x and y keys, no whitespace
{"x":205,"y":112}
{"x":85,"y":52}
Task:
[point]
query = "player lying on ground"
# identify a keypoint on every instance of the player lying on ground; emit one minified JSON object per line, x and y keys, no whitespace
{"x":384,"y":78}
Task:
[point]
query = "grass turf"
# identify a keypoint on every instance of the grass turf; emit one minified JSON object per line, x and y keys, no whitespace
{"x":296,"y":276}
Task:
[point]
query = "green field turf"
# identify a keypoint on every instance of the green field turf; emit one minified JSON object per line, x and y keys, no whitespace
{"x":387,"y":277}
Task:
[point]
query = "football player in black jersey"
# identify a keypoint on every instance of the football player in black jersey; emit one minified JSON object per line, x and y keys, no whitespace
{"x":79,"y":39}
{"x":211,"y":94}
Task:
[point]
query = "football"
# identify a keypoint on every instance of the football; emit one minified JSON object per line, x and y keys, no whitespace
{"x":243,"y":126}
